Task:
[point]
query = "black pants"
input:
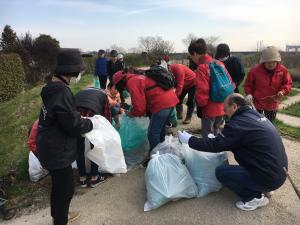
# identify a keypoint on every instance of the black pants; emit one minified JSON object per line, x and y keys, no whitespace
{"x":271,"y":115}
{"x":191,"y":97}
{"x":103,"y":81}
{"x":61,"y":194}
{"x":81,"y":159}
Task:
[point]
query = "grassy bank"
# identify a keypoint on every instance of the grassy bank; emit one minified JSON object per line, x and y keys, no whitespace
{"x":293,"y":110}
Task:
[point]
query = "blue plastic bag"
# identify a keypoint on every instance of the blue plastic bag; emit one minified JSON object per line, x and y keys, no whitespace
{"x":96,"y":82}
{"x":133,"y":132}
{"x":167,"y":179}
{"x":202,"y":166}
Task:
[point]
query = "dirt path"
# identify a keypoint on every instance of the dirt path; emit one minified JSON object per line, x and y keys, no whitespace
{"x":121,"y":201}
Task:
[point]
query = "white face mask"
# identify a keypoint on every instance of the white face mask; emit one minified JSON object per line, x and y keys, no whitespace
{"x":75,"y":80}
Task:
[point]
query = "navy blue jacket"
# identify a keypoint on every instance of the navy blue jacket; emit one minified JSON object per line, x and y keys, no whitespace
{"x":101,"y":67}
{"x":255,"y":143}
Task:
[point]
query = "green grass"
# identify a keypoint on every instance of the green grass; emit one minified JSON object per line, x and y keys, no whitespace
{"x":293,"y":110}
{"x":296,"y":84}
{"x":17,"y":116}
{"x":288,"y":130}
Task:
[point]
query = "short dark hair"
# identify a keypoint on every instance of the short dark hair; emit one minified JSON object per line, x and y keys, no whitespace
{"x":237,"y":99}
{"x":199,"y":46}
{"x":222,"y":51}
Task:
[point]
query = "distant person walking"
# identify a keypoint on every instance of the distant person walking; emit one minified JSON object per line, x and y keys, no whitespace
{"x":101,"y":69}
{"x":232,"y":64}
{"x":267,"y":83}
{"x":114,"y":65}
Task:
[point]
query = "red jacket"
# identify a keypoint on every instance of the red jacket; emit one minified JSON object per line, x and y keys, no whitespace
{"x":152,"y":100}
{"x":209,"y":109}
{"x":184,"y":76}
{"x":32,"y":136}
{"x":261,"y":84}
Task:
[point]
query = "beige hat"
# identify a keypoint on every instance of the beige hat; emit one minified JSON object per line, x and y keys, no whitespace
{"x":270,"y":54}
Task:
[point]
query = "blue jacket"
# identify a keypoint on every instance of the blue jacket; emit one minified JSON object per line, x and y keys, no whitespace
{"x":101,"y":67}
{"x":255,"y":143}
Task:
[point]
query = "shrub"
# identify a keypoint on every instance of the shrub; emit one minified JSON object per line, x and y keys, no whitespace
{"x":11,"y":76}
{"x":90,"y":63}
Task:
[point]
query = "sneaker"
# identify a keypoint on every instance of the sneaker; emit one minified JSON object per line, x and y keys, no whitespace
{"x":100,"y":179}
{"x":83,"y":183}
{"x":72,"y":216}
{"x":253,"y":204}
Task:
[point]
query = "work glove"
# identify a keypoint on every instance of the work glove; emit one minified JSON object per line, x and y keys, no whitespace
{"x":184,"y":137}
{"x":280,"y":94}
{"x":249,"y":98}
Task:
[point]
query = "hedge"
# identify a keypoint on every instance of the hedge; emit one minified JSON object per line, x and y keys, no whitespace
{"x":11,"y":76}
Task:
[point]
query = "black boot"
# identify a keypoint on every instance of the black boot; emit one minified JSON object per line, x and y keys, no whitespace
{"x":179,"y":110}
{"x":189,"y":115}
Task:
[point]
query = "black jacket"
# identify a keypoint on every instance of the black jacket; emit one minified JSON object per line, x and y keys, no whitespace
{"x":112,"y":68}
{"x":59,"y":126}
{"x":255,"y":143}
{"x":92,"y":98}
{"x":235,"y":69}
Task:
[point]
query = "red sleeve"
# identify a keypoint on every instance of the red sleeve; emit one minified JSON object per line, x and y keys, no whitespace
{"x":178,"y":72}
{"x":286,"y":83}
{"x":32,"y":136}
{"x":136,"y":89}
{"x":249,"y":83}
{"x":202,"y":85}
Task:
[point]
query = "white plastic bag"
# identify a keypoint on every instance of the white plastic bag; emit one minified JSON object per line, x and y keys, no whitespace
{"x":107,"y":151}
{"x":35,"y":170}
{"x":167,"y":179}
{"x":202,"y":166}
{"x":170,"y":145}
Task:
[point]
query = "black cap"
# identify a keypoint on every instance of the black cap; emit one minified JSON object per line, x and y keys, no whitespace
{"x":113,"y":53}
{"x":69,"y":61}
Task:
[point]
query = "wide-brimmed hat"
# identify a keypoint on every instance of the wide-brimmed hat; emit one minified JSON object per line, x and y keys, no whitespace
{"x":270,"y":54}
{"x":69,"y":61}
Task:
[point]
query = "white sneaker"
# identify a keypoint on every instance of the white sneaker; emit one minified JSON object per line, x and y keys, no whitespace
{"x":253,"y":204}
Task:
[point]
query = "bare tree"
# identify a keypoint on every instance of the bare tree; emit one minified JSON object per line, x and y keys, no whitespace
{"x":155,"y":46}
{"x":118,"y":48}
{"x":190,"y":37}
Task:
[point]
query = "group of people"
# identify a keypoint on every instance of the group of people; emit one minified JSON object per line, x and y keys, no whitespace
{"x":248,"y":134}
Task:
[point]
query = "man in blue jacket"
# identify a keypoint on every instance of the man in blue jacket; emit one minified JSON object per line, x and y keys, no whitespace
{"x":101,"y":69}
{"x":256,"y":146}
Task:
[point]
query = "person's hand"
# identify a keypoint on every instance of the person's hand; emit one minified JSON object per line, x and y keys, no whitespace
{"x":280,"y":94}
{"x":249,"y":98}
{"x":184,"y":137}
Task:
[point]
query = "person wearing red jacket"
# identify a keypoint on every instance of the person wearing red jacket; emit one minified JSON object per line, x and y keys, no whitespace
{"x":147,"y":97}
{"x":267,"y":83}
{"x":211,"y":113}
{"x":185,"y":84}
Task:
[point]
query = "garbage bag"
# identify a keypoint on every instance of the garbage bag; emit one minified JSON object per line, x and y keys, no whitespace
{"x":35,"y":170}
{"x":201,"y":166}
{"x":106,"y":150}
{"x":167,"y":179}
{"x":133,"y":132}
{"x":170,"y":145}
{"x":96,"y":82}
{"x":137,"y":156}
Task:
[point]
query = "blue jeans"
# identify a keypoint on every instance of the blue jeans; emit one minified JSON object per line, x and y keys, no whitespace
{"x":238,"y":180}
{"x":157,"y":127}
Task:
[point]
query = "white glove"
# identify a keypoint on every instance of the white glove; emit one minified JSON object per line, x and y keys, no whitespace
{"x":95,"y":122}
{"x":249,"y":98}
{"x":184,"y":137}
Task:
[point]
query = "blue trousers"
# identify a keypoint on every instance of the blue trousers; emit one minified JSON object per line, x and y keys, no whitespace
{"x":157,"y":127}
{"x":238,"y":180}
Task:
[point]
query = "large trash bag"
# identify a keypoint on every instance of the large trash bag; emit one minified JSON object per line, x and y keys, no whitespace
{"x":96,"y":82}
{"x":137,"y":156}
{"x":170,"y":145}
{"x":202,"y":166}
{"x":167,"y":179}
{"x":106,"y":150}
{"x":35,"y":170}
{"x":133,"y":132}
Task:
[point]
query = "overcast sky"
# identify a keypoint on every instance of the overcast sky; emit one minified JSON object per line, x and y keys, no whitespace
{"x":95,"y":24}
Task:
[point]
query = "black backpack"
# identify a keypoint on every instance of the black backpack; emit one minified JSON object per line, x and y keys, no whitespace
{"x":162,"y":77}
